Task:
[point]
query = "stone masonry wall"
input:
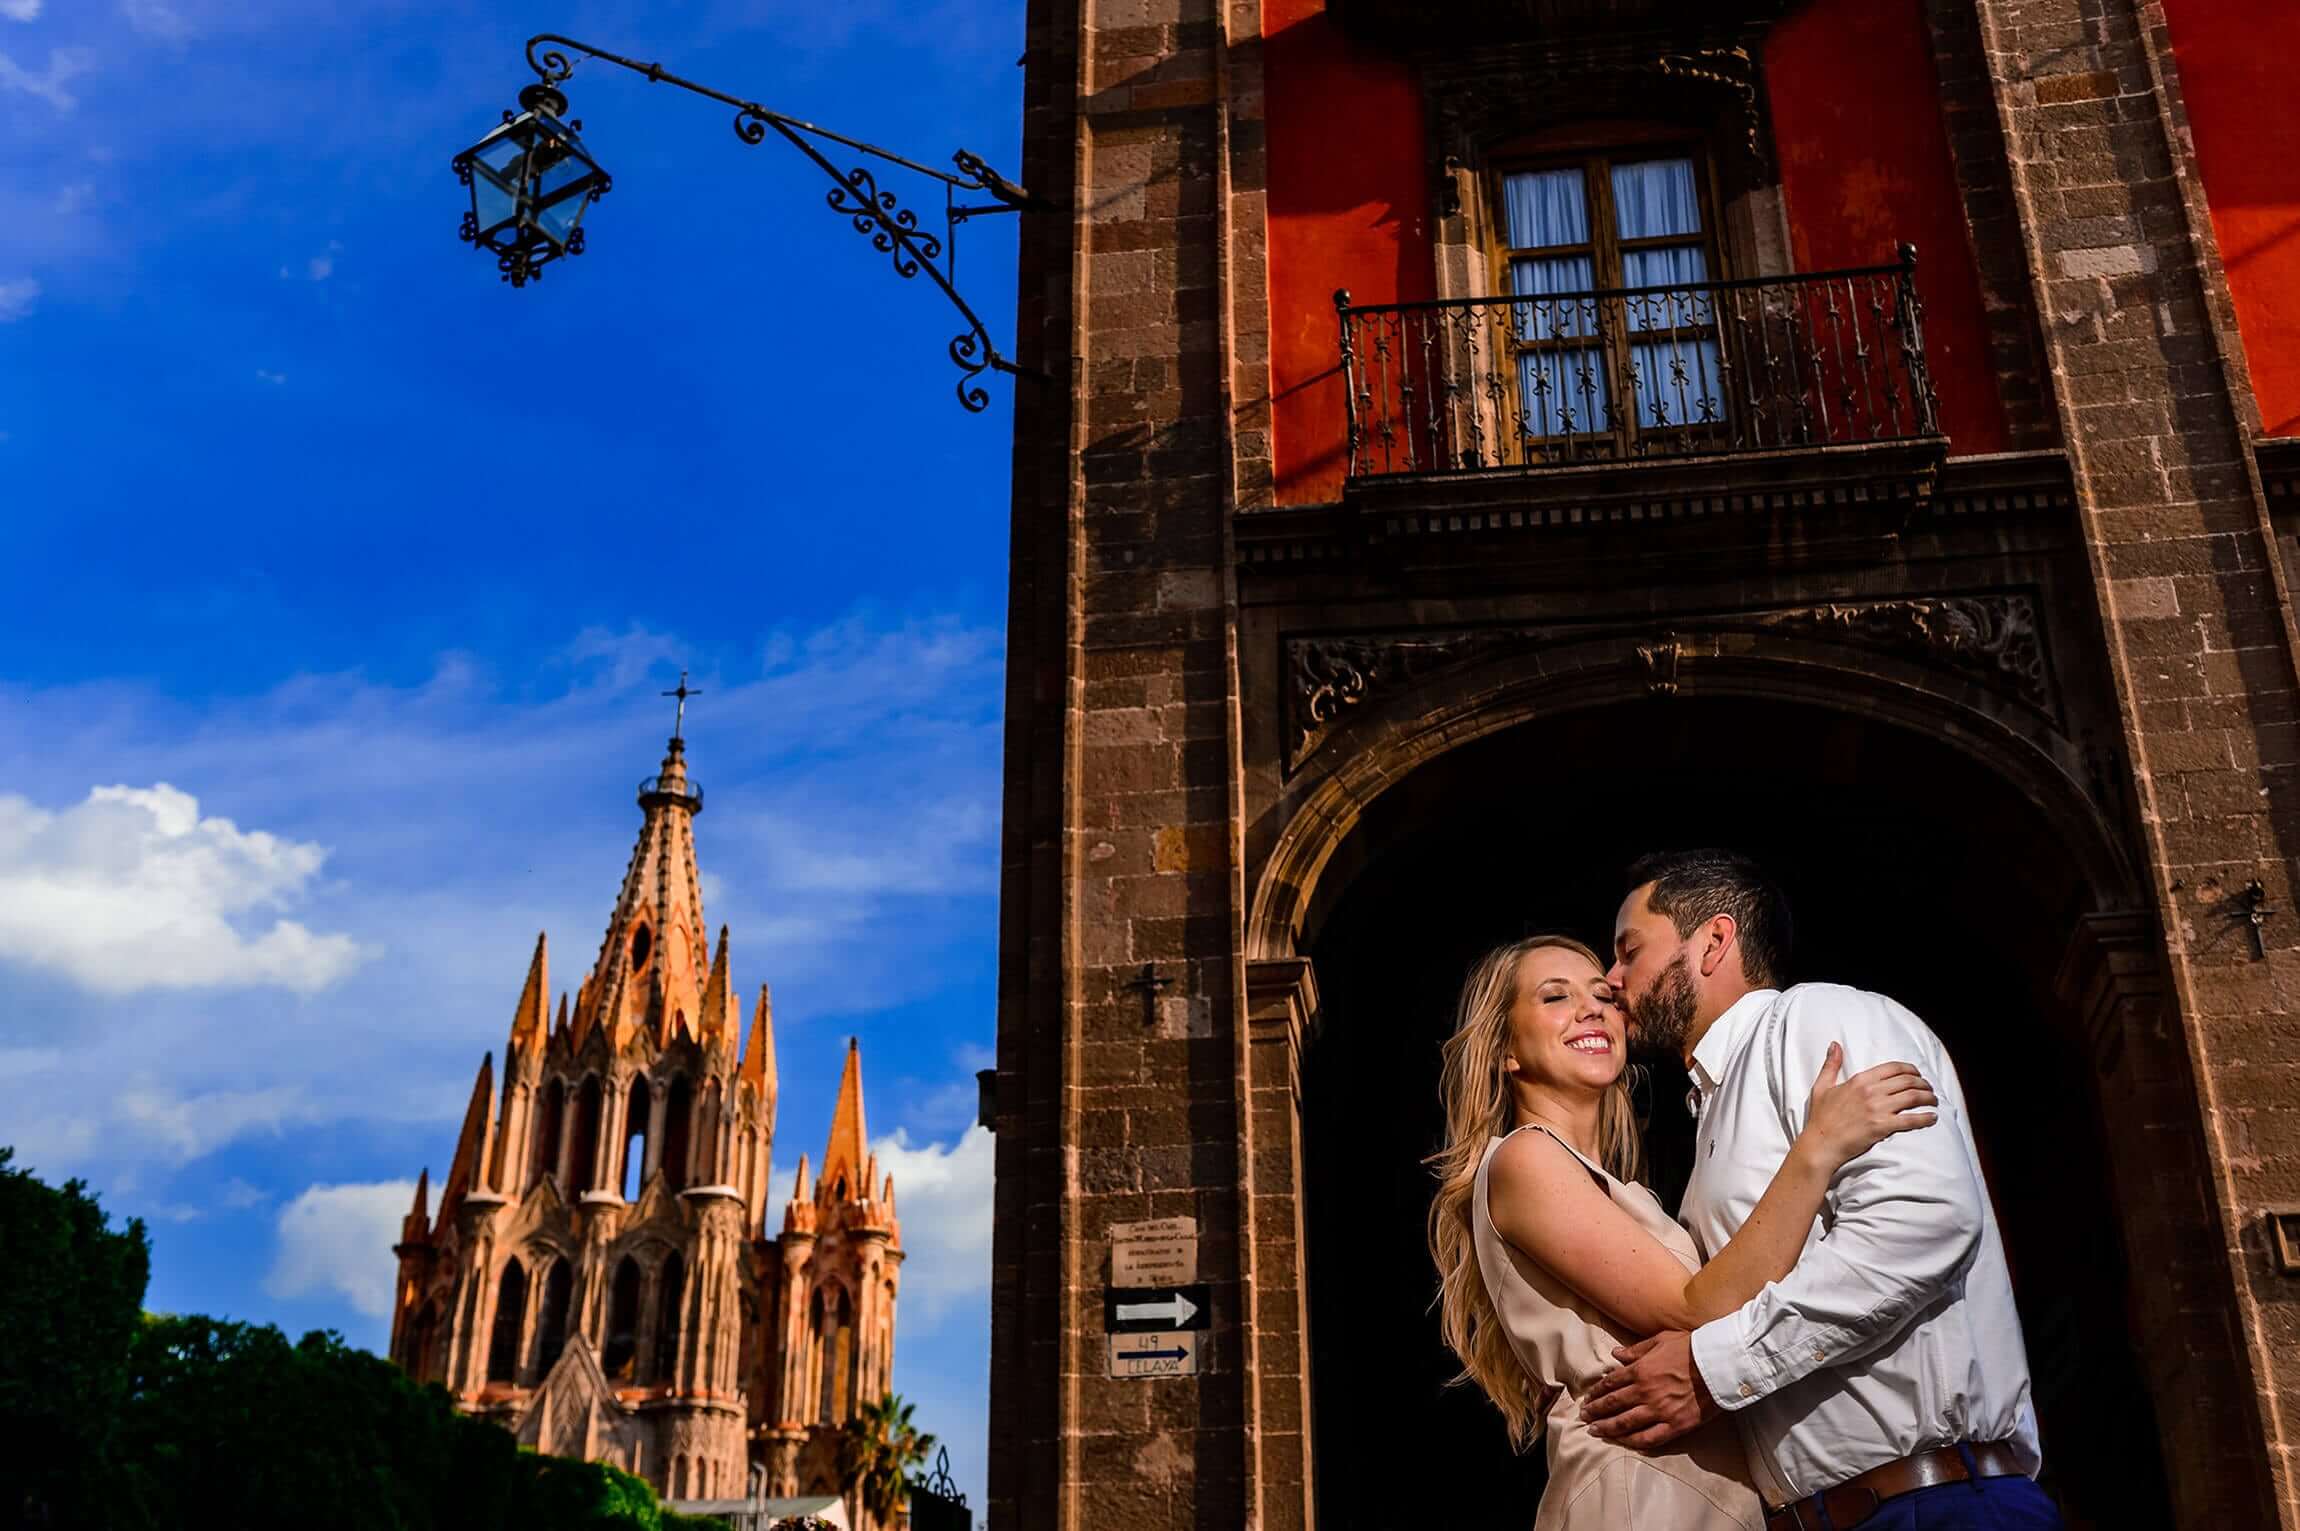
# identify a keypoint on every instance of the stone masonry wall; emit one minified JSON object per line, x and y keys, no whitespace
{"x":1122,"y":1045}
{"x":2200,"y":631}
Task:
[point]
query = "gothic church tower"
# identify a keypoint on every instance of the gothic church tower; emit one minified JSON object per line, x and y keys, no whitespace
{"x":833,"y":1276}
{"x":597,"y":1270}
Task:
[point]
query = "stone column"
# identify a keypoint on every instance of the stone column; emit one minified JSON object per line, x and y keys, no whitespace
{"x":607,"y":1146}
{"x":658,"y":1105}
{"x":2152,"y":411}
{"x":1121,"y":1029}
{"x":1281,"y":1010}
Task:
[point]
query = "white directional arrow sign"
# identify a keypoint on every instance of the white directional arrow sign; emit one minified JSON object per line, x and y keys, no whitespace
{"x":1173,"y":1311}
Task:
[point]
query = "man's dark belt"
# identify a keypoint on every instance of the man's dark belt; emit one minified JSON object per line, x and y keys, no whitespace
{"x":1856,"y":1499}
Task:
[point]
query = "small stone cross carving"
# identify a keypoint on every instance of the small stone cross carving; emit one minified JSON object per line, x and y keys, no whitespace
{"x":1149,"y":983}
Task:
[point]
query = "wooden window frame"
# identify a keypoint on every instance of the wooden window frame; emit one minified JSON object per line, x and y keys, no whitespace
{"x":1595,"y":149}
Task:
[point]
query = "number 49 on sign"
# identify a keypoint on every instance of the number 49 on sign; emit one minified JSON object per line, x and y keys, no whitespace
{"x":1170,"y":1354}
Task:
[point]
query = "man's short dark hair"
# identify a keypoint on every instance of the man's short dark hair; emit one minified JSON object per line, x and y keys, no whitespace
{"x":1692,"y":886}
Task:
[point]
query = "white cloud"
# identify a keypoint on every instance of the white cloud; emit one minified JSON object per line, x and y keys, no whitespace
{"x":274,"y":378}
{"x":132,"y":889}
{"x":237,"y":1195}
{"x":156,"y":18}
{"x":17,"y":297}
{"x":20,"y":10}
{"x":193,"y":1126}
{"x":942,"y":1196}
{"x":74,"y":198}
{"x":64,"y":66}
{"x":318,"y":268}
{"x":474,"y":811}
{"x":335,"y":1241}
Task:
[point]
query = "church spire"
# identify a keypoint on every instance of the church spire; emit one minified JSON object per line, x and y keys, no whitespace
{"x":530,"y":1020}
{"x":758,"y":1069}
{"x":416,"y":1226}
{"x":650,"y":973}
{"x":843,"y":1159}
{"x":465,"y":1172}
{"x":722,"y":1014}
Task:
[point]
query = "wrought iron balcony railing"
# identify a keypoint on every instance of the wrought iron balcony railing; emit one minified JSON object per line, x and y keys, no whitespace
{"x":1540,"y":380}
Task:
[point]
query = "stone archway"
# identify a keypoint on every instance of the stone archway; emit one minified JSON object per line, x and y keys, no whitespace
{"x":1938,"y":850}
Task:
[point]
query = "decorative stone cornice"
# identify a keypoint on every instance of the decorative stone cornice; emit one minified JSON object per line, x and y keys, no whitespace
{"x":1995,"y":639}
{"x":1480,"y":96}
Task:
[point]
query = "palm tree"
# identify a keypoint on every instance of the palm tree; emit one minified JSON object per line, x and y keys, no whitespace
{"x":879,"y":1452}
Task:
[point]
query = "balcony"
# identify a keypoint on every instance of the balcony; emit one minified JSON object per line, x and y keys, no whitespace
{"x":1641,"y":401}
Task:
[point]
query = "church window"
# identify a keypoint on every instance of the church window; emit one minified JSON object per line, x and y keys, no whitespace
{"x":671,"y":1288}
{"x":510,"y":1319}
{"x":1593,"y":373}
{"x":642,"y":943}
{"x":818,"y":1343}
{"x":586,"y":1144}
{"x":835,"y":1398}
{"x":706,"y":1166}
{"x":635,"y":1139}
{"x":550,"y":1107}
{"x":619,"y":1357}
{"x":558,"y":1290}
{"x":677,"y":1132}
{"x":415,"y":1354}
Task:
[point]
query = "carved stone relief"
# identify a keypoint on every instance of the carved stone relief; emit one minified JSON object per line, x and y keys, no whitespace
{"x":1995,"y":639}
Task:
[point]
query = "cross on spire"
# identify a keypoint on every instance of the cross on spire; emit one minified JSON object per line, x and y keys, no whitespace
{"x":679,"y":723}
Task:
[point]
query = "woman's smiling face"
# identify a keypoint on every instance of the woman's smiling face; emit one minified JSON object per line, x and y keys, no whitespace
{"x":1566,"y":1029}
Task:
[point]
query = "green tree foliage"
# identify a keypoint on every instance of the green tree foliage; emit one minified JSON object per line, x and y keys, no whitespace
{"x":878,"y":1455}
{"x":68,"y":1311}
{"x":115,"y":1423}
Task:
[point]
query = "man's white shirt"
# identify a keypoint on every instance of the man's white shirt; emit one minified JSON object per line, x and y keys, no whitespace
{"x":1896,"y":1332}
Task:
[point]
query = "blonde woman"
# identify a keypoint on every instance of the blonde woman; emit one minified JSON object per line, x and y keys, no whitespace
{"x":1551,"y":1256}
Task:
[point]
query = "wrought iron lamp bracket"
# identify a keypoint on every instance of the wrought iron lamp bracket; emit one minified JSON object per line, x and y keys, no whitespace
{"x":892,"y":228}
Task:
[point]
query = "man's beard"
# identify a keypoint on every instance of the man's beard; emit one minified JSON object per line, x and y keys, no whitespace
{"x":1665,"y":1014}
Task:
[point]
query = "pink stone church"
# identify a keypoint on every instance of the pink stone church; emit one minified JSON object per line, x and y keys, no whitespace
{"x":599,"y":1276}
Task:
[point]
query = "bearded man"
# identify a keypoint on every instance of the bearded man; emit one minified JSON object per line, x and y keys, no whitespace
{"x":1883,"y":1382}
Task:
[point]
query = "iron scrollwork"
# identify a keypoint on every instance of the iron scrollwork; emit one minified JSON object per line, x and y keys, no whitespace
{"x":856,"y":194}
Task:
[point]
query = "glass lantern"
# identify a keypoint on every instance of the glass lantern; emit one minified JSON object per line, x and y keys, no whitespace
{"x":531,"y":181}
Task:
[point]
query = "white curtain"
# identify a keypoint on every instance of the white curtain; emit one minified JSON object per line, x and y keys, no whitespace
{"x":1545,"y":207}
{"x":1655,"y":198}
{"x":1678,"y":382}
{"x":1563,"y":393}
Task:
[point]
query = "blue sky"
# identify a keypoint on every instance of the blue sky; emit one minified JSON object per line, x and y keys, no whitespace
{"x":341,"y":580}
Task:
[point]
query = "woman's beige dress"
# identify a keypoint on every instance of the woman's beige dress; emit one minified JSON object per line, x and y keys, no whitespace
{"x":1700,"y":1483}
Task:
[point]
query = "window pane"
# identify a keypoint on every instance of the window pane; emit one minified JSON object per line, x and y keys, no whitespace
{"x":1679,"y":271}
{"x":1562,"y":393}
{"x":1546,"y":278}
{"x":1669,"y":266}
{"x":1678,"y":383}
{"x":1653,"y":198}
{"x":1545,"y":207}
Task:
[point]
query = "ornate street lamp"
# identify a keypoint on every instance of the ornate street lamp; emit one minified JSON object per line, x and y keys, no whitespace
{"x":532,"y":180}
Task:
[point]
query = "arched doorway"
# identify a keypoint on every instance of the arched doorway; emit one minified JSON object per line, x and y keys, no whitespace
{"x":1914,"y":870}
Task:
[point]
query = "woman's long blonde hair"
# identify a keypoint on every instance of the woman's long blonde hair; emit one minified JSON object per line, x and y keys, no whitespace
{"x":1477,"y":1110}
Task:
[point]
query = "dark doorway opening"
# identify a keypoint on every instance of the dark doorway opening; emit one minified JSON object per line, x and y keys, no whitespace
{"x":1913,"y":871}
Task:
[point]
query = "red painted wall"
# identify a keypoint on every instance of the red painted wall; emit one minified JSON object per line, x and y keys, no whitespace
{"x":1349,"y":206}
{"x":2235,"y":59}
{"x":1865,"y":165}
